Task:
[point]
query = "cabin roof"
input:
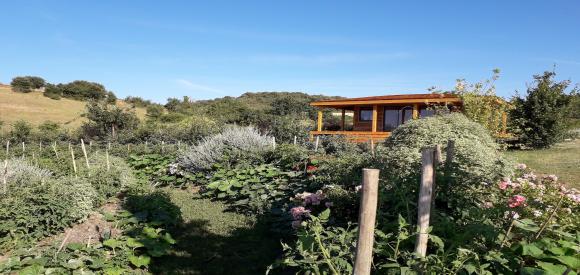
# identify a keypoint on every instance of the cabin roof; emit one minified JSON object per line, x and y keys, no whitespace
{"x":388,"y":99}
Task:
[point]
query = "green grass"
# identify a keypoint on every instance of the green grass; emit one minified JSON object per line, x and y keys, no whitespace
{"x":212,"y":240}
{"x":562,"y":160}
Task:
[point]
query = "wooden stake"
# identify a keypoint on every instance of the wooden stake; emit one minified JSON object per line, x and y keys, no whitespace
{"x":109,"y":145}
{"x":5,"y":177}
{"x":366,"y":221}
{"x":316,"y":144}
{"x":40,"y":146}
{"x":23,"y":148}
{"x":7,"y":148}
{"x":425,"y":196}
{"x":179,"y":145}
{"x":295,"y":140}
{"x":373,"y":146}
{"x":274,"y":143}
{"x":72,"y":154}
{"x":128,"y":148}
{"x":107,"y":157}
{"x":86,"y":157}
{"x":54,"y":148}
{"x":162,"y":145}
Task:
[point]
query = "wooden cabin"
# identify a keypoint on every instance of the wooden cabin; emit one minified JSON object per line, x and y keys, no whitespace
{"x":374,"y":118}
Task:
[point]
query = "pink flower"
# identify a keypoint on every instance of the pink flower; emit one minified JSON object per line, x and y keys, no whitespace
{"x":516,"y":201}
{"x":521,"y":166}
{"x":503,"y":185}
{"x":299,"y":212}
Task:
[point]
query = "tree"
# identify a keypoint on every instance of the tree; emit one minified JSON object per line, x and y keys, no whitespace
{"x":37,"y":82}
{"x":22,"y":84}
{"x":83,"y":90}
{"x":105,"y":119}
{"x":111,"y":98}
{"x":21,"y":131}
{"x":540,"y":116}
{"x":53,"y":91}
{"x":154,"y":111}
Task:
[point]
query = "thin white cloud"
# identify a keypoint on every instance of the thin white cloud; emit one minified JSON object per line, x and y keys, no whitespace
{"x":326,"y":59}
{"x":194,"y":87}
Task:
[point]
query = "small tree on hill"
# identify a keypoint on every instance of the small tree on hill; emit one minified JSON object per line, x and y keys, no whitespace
{"x":22,"y":84}
{"x":539,"y":117}
{"x":105,"y":119}
{"x":37,"y":82}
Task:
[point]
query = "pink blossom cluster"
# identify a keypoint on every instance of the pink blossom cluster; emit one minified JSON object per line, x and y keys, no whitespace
{"x":517,"y":200}
{"x":298,"y":213}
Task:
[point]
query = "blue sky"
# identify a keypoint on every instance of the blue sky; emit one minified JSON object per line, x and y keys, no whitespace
{"x":208,"y":49}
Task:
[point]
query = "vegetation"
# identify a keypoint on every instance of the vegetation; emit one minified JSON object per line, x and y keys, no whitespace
{"x":26,"y":84}
{"x":540,"y":117}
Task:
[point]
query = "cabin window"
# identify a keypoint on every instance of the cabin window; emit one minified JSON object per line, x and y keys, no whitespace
{"x":365,"y":115}
{"x":395,"y":116}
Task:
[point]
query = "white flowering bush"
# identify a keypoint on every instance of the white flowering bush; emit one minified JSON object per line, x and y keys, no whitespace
{"x":476,"y":157}
{"x":234,"y":145}
{"x":20,"y":172}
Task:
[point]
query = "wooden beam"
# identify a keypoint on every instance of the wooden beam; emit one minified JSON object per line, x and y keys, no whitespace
{"x":415,"y":111}
{"x":342,"y":122}
{"x":385,"y":101}
{"x":425,"y":196}
{"x":319,"y":121}
{"x":375,"y":117}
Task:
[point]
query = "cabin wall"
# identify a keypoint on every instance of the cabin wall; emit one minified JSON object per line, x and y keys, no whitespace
{"x":367,"y":125}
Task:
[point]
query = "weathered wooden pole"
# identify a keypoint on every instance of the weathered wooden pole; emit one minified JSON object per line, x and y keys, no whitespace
{"x":425,"y":196}
{"x":366,"y":222}
{"x":107,"y":157}
{"x":7,"y":148}
{"x":72,"y":154}
{"x":274,"y":143}
{"x":162,"y":146}
{"x":23,"y":148}
{"x":5,"y":177}
{"x":372,"y":146}
{"x":86,"y":157}
{"x":316,"y":144}
{"x":40,"y":147}
{"x":54,"y":148}
{"x":295,"y":140}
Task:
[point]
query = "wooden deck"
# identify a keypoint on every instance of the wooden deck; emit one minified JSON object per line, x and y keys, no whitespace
{"x":356,"y":136}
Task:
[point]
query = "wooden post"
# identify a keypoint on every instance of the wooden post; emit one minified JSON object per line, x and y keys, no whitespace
{"x":162,"y":146}
{"x":7,"y":148}
{"x":40,"y":147}
{"x":372,"y":146}
{"x":86,"y":157}
{"x":179,"y":145}
{"x":23,"y":148}
{"x":366,"y":221}
{"x":72,"y":154}
{"x":415,"y":111}
{"x":128,"y":147}
{"x":274,"y":143}
{"x":5,"y":177}
{"x":54,"y":148}
{"x":295,"y":140}
{"x":109,"y":145}
{"x":316,"y":144}
{"x":343,"y":120}
{"x":107,"y":157}
{"x":425,"y":196}
{"x":375,"y":118}
{"x":319,"y":121}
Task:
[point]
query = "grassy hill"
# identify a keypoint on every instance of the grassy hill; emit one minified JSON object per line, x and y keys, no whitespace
{"x":36,"y":108}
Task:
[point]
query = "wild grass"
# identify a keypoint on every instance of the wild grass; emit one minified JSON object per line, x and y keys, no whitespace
{"x":35,"y":108}
{"x":562,"y":160}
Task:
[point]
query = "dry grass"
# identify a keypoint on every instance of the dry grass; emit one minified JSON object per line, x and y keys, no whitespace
{"x":36,"y":109}
{"x":563,"y":160}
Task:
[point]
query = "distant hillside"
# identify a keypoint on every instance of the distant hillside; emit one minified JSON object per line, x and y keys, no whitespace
{"x":36,"y":108}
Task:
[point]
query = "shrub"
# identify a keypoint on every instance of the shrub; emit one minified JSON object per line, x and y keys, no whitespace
{"x":108,"y":182}
{"x":235,"y":145}
{"x":289,"y":156}
{"x":53,"y":92}
{"x":287,"y":127}
{"x":540,"y":117}
{"x":22,"y":84}
{"x":476,"y":160}
{"x":21,"y":131}
{"x":48,"y":131}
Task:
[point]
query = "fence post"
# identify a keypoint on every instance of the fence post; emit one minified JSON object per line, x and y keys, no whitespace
{"x":425,"y":197}
{"x":372,"y":146}
{"x":7,"y":148}
{"x":366,"y":222}
{"x":86,"y":157}
{"x":72,"y":154}
{"x":23,"y":148}
{"x":5,"y":176}
{"x":274,"y":143}
{"x":107,"y":157}
{"x":294,"y":140}
{"x":316,"y":144}
{"x":54,"y":148}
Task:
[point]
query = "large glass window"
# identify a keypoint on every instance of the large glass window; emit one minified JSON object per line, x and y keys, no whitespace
{"x":395,"y":116}
{"x":426,"y":111}
{"x":365,"y":115}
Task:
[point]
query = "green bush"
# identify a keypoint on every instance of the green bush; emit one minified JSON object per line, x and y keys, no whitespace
{"x":22,"y":84}
{"x":53,"y":92}
{"x":21,"y":131}
{"x":476,"y":160}
{"x":540,"y":118}
{"x":289,"y":156}
{"x":108,"y":182}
